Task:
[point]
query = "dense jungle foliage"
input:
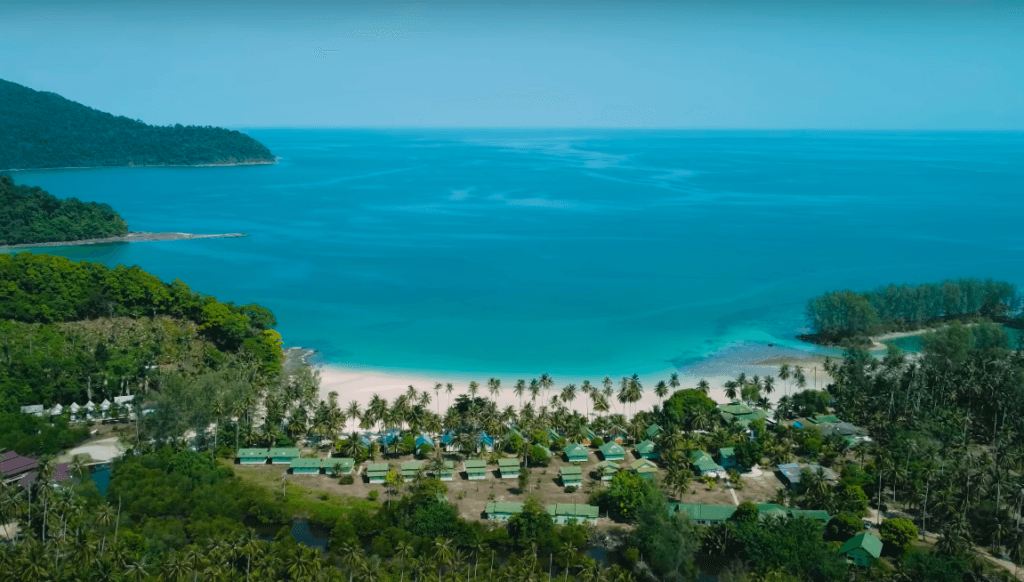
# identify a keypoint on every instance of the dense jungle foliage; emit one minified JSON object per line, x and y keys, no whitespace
{"x":840,"y":314}
{"x":70,"y":330}
{"x":30,"y":215}
{"x":45,"y":130}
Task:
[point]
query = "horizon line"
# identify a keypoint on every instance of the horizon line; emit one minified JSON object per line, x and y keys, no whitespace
{"x":631,"y":128}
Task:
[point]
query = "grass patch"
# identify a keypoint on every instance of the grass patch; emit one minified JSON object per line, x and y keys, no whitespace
{"x":298,"y":501}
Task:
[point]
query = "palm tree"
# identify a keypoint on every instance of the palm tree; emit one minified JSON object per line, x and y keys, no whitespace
{"x":437,"y":393}
{"x":473,"y":389}
{"x":801,"y":380}
{"x":534,"y":390}
{"x":730,"y":389}
{"x":673,"y":381}
{"x":494,"y":387}
{"x":546,"y":382}
{"x":569,"y":393}
{"x":769,"y":385}
{"x":448,"y":389}
{"x":404,"y":551}
{"x":661,"y":391}
{"x":443,"y":553}
{"x":703,"y":386}
{"x":520,"y":389}
{"x":353,"y":412}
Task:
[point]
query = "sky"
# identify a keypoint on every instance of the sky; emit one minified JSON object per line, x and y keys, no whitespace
{"x":848,"y":65}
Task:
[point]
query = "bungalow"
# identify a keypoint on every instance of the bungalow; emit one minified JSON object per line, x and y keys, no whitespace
{"x":502,"y":511}
{"x":644,"y":468}
{"x":410,"y":469}
{"x":827,"y":418}
{"x":339,"y":465}
{"x":58,"y":410}
{"x":104,"y":407}
{"x":647,"y":449}
{"x":613,"y":451}
{"x":703,"y":464}
{"x":653,"y":431}
{"x":377,"y":472}
{"x":862,"y":549}
{"x":476,"y":469}
{"x":769,"y":509}
{"x":253,"y":456}
{"x":483,"y":441}
{"x":33,"y":409}
{"x":703,"y":514}
{"x":509,"y":468}
{"x":588,"y":437}
{"x":791,"y":473}
{"x":607,"y":470}
{"x":13,"y":464}
{"x":553,"y":435}
{"x":564,"y":513}
{"x":571,"y":475}
{"x":576,"y":453}
{"x":447,"y":473}
{"x":616,"y":436}
{"x":424,"y":440}
{"x":282,"y":455}
{"x":727,"y":457}
{"x":389,"y":436}
{"x":740,"y":413}
{"x":306,"y":466}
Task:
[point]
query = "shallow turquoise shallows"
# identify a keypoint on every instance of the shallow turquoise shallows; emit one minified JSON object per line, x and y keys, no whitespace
{"x":569,"y":252}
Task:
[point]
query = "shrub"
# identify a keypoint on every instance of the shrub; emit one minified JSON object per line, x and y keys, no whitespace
{"x":571,"y":488}
{"x":425,"y":450}
{"x":597,"y":442}
{"x":898,"y":533}
{"x":373,"y":495}
{"x":843,"y":527}
{"x":346,"y":480}
{"x":632,"y":556}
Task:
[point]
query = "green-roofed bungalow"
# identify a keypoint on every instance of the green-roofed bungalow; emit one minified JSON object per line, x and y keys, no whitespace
{"x":283,"y":455}
{"x":339,"y":465}
{"x":576,"y":453}
{"x":647,"y":449}
{"x":607,"y":470}
{"x":703,"y":514}
{"x":476,"y":469}
{"x":613,"y":451}
{"x":571,"y":475}
{"x":862,"y":549}
{"x":703,"y":463}
{"x":774,"y":509}
{"x":502,"y":511}
{"x":653,"y":431}
{"x":727,"y":457}
{"x":306,"y":466}
{"x":253,"y":456}
{"x":736,"y":412}
{"x":645,"y":468}
{"x":509,"y":468}
{"x":589,"y":438}
{"x":447,"y":473}
{"x":564,"y":513}
{"x":410,"y":469}
{"x":377,"y":472}
{"x":553,"y":435}
{"x":826,"y":418}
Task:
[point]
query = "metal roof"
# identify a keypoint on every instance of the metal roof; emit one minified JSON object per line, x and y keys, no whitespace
{"x":503,"y":507}
{"x":475,"y":464}
{"x":866,"y":541}
{"x":612,"y":448}
{"x":646,"y":447}
{"x":576,"y":450}
{"x":284,"y":452}
{"x":702,"y":512}
{"x":254,"y":452}
{"x":643,"y":466}
{"x":412,"y":465}
{"x":306,"y":463}
{"x":378,"y":468}
{"x":573,"y":510}
{"x":570,"y":470}
{"x":340,"y":462}
{"x":508,"y":462}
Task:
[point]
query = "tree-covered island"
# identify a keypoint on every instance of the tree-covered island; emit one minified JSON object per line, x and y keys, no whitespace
{"x":31,"y":215}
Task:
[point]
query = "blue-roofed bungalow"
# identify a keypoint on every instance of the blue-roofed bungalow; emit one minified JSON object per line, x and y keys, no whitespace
{"x":283,"y":455}
{"x":613,"y":451}
{"x":571,"y":475}
{"x":647,"y":449}
{"x":388,"y":436}
{"x":485,"y":441}
{"x":306,"y":466}
{"x":253,"y":456}
{"x":339,"y":465}
{"x":727,"y":457}
{"x":576,"y":453}
{"x":509,"y":468}
{"x":423,"y":440}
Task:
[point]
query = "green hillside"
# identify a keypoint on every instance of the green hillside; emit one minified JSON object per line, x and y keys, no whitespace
{"x":31,"y":215}
{"x":44,"y":130}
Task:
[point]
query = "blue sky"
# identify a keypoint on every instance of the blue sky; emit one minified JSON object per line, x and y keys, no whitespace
{"x":735,"y":65}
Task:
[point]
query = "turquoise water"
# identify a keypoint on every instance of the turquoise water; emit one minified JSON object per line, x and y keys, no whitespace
{"x":570,"y":252}
{"x":101,"y":477}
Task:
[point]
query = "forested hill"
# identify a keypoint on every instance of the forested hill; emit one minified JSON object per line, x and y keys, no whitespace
{"x":30,"y":215}
{"x":44,"y":130}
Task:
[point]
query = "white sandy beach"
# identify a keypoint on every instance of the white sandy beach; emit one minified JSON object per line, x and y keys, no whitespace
{"x":360,"y":384}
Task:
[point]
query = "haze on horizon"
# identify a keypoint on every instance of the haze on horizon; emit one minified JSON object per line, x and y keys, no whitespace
{"x":940,"y":65}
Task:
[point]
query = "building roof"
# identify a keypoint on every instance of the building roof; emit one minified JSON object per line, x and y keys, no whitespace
{"x":475,"y":464}
{"x":16,"y":465}
{"x":826,"y":418}
{"x":569,"y":470}
{"x":768,"y":509}
{"x":576,"y":450}
{"x":36,"y":409}
{"x":643,"y":466}
{"x":284,"y":452}
{"x":306,"y":463}
{"x":448,"y":466}
{"x":791,"y":471}
{"x":607,"y":467}
{"x":573,"y":510}
{"x":612,"y":448}
{"x":377,"y":468}
{"x":653,"y":430}
{"x":703,"y":512}
{"x":704,"y":462}
{"x":503,"y":507}
{"x":339,"y":462}
{"x":866,"y":541}
{"x":254,"y":453}
{"x":503,"y":463}
{"x":646,"y":447}
{"x":412,"y":465}
{"x":424,"y":440}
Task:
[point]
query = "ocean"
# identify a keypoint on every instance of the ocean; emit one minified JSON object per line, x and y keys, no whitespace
{"x":573,"y":252}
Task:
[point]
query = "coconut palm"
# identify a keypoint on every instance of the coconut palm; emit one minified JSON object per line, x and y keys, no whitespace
{"x":519,"y":390}
{"x":494,"y":387}
{"x":661,"y":391}
{"x":703,"y":386}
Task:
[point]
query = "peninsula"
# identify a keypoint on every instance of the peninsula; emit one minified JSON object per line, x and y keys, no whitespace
{"x":127,"y":238}
{"x":45,"y":130}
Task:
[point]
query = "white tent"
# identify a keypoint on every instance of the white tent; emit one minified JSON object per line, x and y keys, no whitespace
{"x":57,"y":410}
{"x":74,"y":407}
{"x":90,"y":406}
{"x":105,"y":405}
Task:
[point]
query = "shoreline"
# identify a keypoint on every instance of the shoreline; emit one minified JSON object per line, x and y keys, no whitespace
{"x":213,"y":165}
{"x":128,"y":238}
